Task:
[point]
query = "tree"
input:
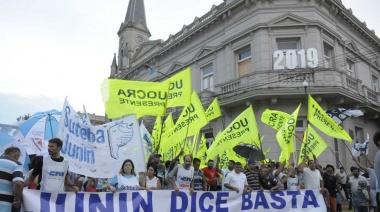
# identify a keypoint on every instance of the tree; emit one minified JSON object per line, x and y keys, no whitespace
{"x":23,"y":118}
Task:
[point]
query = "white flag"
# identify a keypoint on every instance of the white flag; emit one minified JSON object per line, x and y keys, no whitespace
{"x":359,"y":148}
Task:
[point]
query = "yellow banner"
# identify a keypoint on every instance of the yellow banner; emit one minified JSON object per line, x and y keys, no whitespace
{"x":180,"y":88}
{"x":156,"y":132}
{"x":274,"y":118}
{"x":285,"y":135}
{"x":318,"y":117}
{"x":242,"y":129}
{"x":312,"y":144}
{"x":213,"y":111}
{"x":228,"y":155}
{"x":122,"y":97}
{"x":202,"y":148}
{"x":168,"y":123}
{"x":266,"y":152}
{"x":191,"y":120}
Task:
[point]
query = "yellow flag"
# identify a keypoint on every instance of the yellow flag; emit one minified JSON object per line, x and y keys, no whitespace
{"x":236,"y":157}
{"x":285,"y":136}
{"x":213,"y":111}
{"x":318,"y":117}
{"x":312,"y":144}
{"x":156,"y":132}
{"x":243,"y":128}
{"x":191,"y":120}
{"x":266,"y":152}
{"x":284,"y":156}
{"x":168,"y":123}
{"x":274,"y":118}
{"x":202,"y":148}
{"x":122,"y":97}
{"x":180,"y":88}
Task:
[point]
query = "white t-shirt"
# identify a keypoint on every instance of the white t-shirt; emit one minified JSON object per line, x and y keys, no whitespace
{"x":225,"y":172}
{"x":184,"y":177}
{"x":343,"y":177}
{"x":292,"y":183}
{"x":278,"y":178}
{"x":53,"y":175}
{"x":151,"y":183}
{"x":237,"y":180}
{"x":311,"y":178}
{"x":354,"y":182}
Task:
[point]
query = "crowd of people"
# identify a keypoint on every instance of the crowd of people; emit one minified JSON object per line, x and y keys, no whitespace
{"x":51,"y":173}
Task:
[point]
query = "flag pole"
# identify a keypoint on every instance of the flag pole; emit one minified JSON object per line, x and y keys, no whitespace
{"x":305,"y":85}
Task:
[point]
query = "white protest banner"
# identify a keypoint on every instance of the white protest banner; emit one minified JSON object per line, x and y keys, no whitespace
{"x":165,"y":200}
{"x":99,"y":151}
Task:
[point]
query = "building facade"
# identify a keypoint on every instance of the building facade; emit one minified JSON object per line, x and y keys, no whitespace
{"x":259,"y":53}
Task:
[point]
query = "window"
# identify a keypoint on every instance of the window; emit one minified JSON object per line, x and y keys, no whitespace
{"x":285,"y":44}
{"x":350,"y":68}
{"x":207,"y":78}
{"x":244,"y":62}
{"x":375,"y":83}
{"x":327,"y":55}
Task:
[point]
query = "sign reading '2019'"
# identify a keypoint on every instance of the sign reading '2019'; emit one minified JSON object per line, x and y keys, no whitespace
{"x":292,"y":59}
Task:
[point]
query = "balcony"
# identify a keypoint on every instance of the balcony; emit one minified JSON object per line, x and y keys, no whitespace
{"x":287,"y":83}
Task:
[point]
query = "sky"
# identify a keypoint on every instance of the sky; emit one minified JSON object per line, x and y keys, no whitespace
{"x":50,"y":50}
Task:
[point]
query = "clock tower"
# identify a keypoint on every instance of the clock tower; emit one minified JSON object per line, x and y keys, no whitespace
{"x":132,"y":33}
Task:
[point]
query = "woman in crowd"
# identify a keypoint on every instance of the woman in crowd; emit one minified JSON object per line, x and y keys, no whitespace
{"x":152,"y":182}
{"x":126,"y":179}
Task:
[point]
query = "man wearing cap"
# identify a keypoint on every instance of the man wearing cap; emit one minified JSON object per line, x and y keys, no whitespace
{"x":252,"y":175}
{"x":155,"y":158}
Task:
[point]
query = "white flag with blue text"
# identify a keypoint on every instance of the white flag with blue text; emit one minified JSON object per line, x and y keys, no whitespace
{"x":99,"y":151}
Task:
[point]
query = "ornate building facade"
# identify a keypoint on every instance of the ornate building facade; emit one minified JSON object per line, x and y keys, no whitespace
{"x":259,"y":53}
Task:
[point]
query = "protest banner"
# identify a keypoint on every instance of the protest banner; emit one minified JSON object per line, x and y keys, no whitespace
{"x":122,"y":97}
{"x":321,"y":120}
{"x":274,"y":118}
{"x":180,"y":88}
{"x":99,"y":151}
{"x":213,"y":111}
{"x":243,"y":128}
{"x":312,"y":144}
{"x":166,"y":200}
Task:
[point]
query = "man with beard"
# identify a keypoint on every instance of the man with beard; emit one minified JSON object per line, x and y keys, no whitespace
{"x":225,"y":172}
{"x":211,"y":174}
{"x":184,"y":175}
{"x":353,"y":182}
{"x":52,"y":170}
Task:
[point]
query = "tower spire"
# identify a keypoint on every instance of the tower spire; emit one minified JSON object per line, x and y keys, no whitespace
{"x":136,"y":14}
